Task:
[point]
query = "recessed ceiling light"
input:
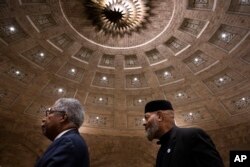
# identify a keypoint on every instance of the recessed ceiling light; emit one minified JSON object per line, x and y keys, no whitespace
{"x":104,"y":78}
{"x":166,"y":73}
{"x":42,"y":54}
{"x":179,"y":94}
{"x":223,"y":35}
{"x":196,"y":59}
{"x":17,"y":72}
{"x":135,"y":79}
{"x":12,"y":29}
{"x":60,"y":90}
{"x":221,"y":79}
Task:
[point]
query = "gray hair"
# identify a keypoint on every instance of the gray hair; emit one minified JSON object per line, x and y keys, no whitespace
{"x":73,"y":108}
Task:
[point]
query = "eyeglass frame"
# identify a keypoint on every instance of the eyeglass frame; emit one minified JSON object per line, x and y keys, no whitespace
{"x":50,"y":111}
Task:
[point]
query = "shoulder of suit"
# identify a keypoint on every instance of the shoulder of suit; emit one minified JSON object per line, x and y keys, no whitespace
{"x":190,"y":132}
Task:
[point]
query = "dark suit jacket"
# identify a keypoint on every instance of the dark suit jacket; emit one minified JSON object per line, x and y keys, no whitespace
{"x":187,"y":147}
{"x":70,"y":150}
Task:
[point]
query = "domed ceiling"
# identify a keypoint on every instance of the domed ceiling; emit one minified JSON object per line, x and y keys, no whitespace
{"x":115,"y":55}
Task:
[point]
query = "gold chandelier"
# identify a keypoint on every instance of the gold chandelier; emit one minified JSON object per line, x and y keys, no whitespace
{"x":118,"y":17}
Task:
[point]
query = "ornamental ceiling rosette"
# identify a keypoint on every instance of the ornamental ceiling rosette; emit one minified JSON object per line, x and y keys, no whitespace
{"x":118,"y":17}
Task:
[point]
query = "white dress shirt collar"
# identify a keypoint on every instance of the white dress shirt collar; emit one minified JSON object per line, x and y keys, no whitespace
{"x":62,"y":133}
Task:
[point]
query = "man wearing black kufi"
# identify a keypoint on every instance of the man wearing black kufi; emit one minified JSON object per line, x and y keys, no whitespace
{"x":180,"y":147}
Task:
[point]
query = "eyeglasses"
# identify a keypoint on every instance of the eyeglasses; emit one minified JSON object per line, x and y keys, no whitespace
{"x":50,"y":111}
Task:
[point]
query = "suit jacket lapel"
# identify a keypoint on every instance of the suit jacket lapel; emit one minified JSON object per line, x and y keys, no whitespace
{"x":45,"y":154}
{"x":170,"y":148}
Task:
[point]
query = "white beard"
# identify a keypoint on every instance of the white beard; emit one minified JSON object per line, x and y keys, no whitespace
{"x":151,"y":131}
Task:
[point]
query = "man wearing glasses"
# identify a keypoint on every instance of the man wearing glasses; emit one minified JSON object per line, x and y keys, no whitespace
{"x":60,"y":125}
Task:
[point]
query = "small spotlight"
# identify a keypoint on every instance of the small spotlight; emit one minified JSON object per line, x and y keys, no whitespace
{"x":196,"y":59}
{"x":17,"y":72}
{"x":12,"y":29}
{"x":223,"y":35}
{"x":166,"y":73}
{"x":135,"y":79}
{"x":41,"y":54}
{"x":221,"y":79}
{"x":104,"y":78}
{"x":60,"y":90}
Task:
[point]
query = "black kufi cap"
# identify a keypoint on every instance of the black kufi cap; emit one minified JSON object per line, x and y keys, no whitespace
{"x":158,"y":105}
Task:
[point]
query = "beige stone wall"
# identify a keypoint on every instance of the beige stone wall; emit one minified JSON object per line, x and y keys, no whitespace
{"x":231,"y":138}
{"x":114,"y":151}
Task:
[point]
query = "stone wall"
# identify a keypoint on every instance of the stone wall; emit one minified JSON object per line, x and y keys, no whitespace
{"x":231,"y":138}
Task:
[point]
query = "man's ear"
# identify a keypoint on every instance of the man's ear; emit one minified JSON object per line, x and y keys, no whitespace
{"x":64,"y":118}
{"x":171,"y":113}
{"x":160,"y":116}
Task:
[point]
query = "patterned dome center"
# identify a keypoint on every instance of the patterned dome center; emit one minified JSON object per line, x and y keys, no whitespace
{"x":118,"y":17}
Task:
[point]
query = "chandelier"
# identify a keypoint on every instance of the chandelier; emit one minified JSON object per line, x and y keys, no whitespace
{"x":118,"y":17}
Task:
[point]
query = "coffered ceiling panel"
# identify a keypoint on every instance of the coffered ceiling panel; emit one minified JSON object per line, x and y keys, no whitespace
{"x":194,"y":116}
{"x":11,"y":31}
{"x":238,"y":104}
{"x":38,"y":55}
{"x":199,"y":62}
{"x":225,"y":79}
